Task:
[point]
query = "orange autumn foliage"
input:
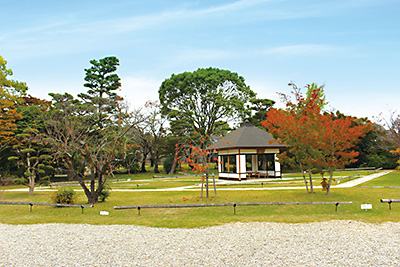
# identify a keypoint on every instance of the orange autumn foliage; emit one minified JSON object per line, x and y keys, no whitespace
{"x":8,"y":117}
{"x":314,"y":140}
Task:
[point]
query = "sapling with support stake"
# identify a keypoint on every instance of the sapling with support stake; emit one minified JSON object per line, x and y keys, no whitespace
{"x":198,"y":154}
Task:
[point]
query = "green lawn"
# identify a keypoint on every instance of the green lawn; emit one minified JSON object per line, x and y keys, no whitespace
{"x":201,"y":217}
{"x":391,"y":179}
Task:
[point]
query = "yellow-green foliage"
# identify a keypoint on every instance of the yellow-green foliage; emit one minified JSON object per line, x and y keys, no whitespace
{"x":64,"y":195}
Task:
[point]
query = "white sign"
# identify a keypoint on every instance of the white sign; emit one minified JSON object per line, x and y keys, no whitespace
{"x":366,"y":206}
{"x":104,"y":212}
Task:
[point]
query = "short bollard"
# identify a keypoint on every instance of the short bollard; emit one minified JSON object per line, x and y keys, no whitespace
{"x":234,"y":208}
{"x":390,"y":201}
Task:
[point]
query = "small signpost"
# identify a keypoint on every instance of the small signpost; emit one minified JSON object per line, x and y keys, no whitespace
{"x":366,"y":207}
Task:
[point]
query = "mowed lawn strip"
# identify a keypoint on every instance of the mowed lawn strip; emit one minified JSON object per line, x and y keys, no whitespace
{"x":202,"y":217}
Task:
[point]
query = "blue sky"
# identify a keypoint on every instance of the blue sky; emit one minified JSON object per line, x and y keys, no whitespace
{"x":351,"y":46}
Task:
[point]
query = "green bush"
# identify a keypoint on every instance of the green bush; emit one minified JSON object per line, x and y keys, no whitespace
{"x":168,"y":161}
{"x":135,"y":168}
{"x":105,"y":193}
{"x":45,"y":182}
{"x":20,"y":181}
{"x":121,"y":170}
{"x":64,"y":195}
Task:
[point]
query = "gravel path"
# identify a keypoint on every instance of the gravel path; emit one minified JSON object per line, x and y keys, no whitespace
{"x":334,"y":243}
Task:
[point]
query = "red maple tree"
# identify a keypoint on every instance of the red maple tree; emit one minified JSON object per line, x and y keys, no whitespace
{"x":314,"y":140}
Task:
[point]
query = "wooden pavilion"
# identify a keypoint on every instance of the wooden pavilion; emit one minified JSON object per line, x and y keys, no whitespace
{"x":248,"y":152}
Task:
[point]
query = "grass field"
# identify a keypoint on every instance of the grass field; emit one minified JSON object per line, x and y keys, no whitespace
{"x":370,"y":192}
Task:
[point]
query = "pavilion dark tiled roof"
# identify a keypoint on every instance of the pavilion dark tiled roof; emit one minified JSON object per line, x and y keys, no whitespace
{"x":247,"y":136}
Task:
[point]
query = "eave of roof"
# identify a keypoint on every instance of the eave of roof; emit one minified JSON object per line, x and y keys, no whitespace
{"x":247,"y":136}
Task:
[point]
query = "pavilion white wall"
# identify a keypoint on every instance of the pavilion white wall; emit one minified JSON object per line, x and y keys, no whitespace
{"x":277,"y":167}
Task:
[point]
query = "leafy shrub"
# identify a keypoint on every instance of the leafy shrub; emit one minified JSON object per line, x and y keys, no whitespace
{"x":64,"y":195}
{"x":45,"y":182}
{"x":20,"y":181}
{"x":121,"y":170}
{"x":105,"y":193}
{"x":135,"y":168}
{"x":168,"y":161}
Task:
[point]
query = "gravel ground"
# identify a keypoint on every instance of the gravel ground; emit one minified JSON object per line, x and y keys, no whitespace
{"x":334,"y":243}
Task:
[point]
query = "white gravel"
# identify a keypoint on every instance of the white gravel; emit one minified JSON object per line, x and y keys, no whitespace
{"x":334,"y":243}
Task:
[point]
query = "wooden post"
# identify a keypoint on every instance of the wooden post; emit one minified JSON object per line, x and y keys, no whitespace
{"x":202,"y":182}
{"x":215,"y":189}
{"x":207,"y":185}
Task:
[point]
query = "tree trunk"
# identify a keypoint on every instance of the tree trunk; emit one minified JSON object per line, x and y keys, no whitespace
{"x":174,"y":163}
{"x":156,"y":159}
{"x":328,"y":190}
{"x":143,"y":166}
{"x":93,"y":198}
{"x":207,"y":175}
{"x":31,"y":178}
{"x":92,"y":185}
{"x":156,"y":167}
{"x":144,"y":157}
{"x":31,"y":184}
{"x":304,"y":177}
{"x":311,"y":183}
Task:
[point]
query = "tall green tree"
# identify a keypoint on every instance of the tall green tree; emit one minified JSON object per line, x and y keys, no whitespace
{"x":31,"y":153}
{"x":10,"y":88}
{"x":200,"y":104}
{"x":88,"y":131}
{"x":204,"y":100}
{"x":260,"y":107}
{"x":103,"y":84}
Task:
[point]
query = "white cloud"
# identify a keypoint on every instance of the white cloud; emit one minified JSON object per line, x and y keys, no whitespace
{"x":301,"y":49}
{"x":234,"y":6}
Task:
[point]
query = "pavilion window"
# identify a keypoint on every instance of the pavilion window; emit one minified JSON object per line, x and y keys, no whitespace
{"x":266,"y":162}
{"x":228,"y":163}
{"x":232,"y":163}
{"x":249,"y":163}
